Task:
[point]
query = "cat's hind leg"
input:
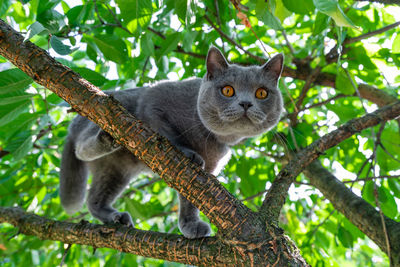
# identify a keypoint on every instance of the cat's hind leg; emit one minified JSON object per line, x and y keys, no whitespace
{"x":189,"y":221}
{"x":105,"y":188}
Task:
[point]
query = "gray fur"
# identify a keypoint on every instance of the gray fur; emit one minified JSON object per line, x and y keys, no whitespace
{"x":193,"y":114}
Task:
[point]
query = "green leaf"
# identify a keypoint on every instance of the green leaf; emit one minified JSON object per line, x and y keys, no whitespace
{"x":269,"y":19}
{"x":368,"y":192}
{"x":77,"y":15}
{"x":13,"y":113}
{"x":394,"y":186}
{"x":321,"y":23}
{"x":136,"y":13}
{"x":35,"y":28}
{"x":4,"y":5}
{"x":59,"y":47}
{"x":343,"y":83}
{"x":396,"y":44}
{"x":304,"y":8}
{"x":90,"y":75}
{"x":169,"y":44}
{"x":181,"y":9}
{"x":280,"y":11}
{"x":14,"y":99}
{"x":25,"y":145}
{"x":388,"y":204}
{"x":112,"y":47}
{"x":147,"y":45}
{"x":332,"y":9}
{"x":13,"y":80}
{"x":187,"y":41}
{"x":345,"y":237}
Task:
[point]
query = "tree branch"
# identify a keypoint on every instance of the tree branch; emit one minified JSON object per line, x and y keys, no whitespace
{"x":356,"y":209}
{"x":229,"y":215}
{"x":277,"y":194}
{"x":229,"y":39}
{"x":170,"y":247}
{"x":386,"y":2}
{"x":208,"y":251}
{"x":370,"y":34}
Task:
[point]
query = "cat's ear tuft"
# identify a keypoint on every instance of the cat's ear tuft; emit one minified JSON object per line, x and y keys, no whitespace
{"x":274,"y":66}
{"x":216,"y":63}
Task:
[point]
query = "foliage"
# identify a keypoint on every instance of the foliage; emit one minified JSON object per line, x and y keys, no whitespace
{"x":134,"y":43}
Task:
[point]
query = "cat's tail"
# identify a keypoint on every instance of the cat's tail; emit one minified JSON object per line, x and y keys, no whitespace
{"x":73,"y":178}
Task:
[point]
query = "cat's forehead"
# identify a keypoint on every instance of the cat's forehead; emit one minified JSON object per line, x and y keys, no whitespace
{"x":246,"y":76}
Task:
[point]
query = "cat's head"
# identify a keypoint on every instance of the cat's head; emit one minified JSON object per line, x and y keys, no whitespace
{"x":237,"y":102}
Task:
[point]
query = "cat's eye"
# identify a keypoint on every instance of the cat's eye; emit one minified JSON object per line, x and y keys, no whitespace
{"x":261,"y":93}
{"x":228,"y":91}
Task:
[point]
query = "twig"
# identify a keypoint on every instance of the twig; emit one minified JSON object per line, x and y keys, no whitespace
{"x":321,"y":223}
{"x":319,"y":104}
{"x":289,"y":95}
{"x":378,"y":204}
{"x":179,"y":49}
{"x":65,"y":255}
{"x":307,"y":86}
{"x":218,"y":20}
{"x":289,"y":45}
{"x":372,"y":178}
{"x":376,"y":193}
{"x":387,"y":152}
{"x":259,"y":59}
{"x":369,"y":34}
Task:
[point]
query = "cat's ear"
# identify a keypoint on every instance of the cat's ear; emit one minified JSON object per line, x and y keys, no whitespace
{"x":274,"y":66}
{"x":216,"y":63}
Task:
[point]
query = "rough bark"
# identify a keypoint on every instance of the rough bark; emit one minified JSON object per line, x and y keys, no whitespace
{"x":210,"y":251}
{"x":237,"y":225}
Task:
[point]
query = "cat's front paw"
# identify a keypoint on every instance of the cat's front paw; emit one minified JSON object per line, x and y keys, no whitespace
{"x":107,"y":140}
{"x":194,"y":229}
{"x":193,"y":156}
{"x":122,"y":218}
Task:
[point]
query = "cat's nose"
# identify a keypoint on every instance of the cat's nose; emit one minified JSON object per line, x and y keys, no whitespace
{"x":246,"y":105}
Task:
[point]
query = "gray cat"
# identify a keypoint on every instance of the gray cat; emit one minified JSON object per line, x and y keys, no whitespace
{"x":202,"y":117}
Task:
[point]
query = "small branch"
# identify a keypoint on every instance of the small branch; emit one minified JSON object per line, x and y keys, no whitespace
{"x":370,"y":34}
{"x":277,"y":194}
{"x":372,"y":178}
{"x":65,"y":255}
{"x":259,"y":59}
{"x":179,"y":49}
{"x":322,"y":103}
{"x":357,"y":210}
{"x":386,"y":2}
{"x":289,"y":45}
{"x":307,"y":86}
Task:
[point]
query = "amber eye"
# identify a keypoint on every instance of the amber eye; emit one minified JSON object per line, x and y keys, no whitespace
{"x":228,"y":91}
{"x":261,"y":93}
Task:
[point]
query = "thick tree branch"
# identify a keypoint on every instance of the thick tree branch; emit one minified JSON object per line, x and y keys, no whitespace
{"x":170,"y":247}
{"x":277,"y":194}
{"x":229,"y":215}
{"x":237,"y":225}
{"x":208,"y":251}
{"x":356,"y":209}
